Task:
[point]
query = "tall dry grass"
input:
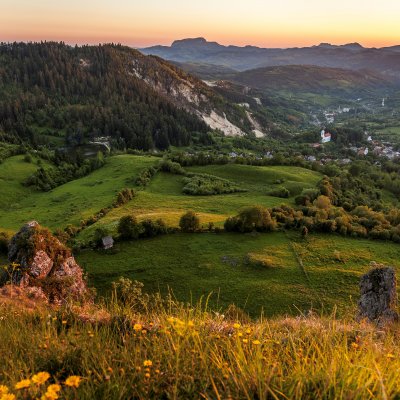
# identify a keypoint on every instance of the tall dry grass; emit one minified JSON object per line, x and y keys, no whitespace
{"x":144,"y":347}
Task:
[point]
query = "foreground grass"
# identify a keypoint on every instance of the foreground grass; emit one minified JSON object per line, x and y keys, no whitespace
{"x":164,"y":350}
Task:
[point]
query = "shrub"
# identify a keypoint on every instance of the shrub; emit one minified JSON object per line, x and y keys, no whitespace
{"x":144,"y":178}
{"x":124,"y":196}
{"x":152,"y":228}
{"x":171,"y":167}
{"x":99,"y":234}
{"x":280,"y":192}
{"x":128,"y":228}
{"x":189,"y":222}
{"x":4,"y":241}
{"x":322,"y":202}
{"x":256,"y":218}
{"x":231,"y":224}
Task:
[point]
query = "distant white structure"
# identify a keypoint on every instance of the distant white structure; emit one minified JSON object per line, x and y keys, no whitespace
{"x":326,"y":137}
{"x":383,"y":102}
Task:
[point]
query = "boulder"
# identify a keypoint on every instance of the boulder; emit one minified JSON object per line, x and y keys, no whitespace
{"x":378,"y":300}
{"x":41,"y":265}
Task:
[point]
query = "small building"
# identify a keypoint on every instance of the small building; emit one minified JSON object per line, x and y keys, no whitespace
{"x":107,"y":242}
{"x":326,"y":137}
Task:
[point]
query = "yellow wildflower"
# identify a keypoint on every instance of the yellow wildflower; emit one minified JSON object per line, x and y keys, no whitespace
{"x":245,"y":341}
{"x":147,"y":375}
{"x":54,"y":388}
{"x":73,"y":381}
{"x":190,"y":324}
{"x":138,"y":327}
{"x":236,"y":325}
{"x":8,"y":396}
{"x":49,"y":396}
{"x":148,"y":363}
{"x":3,"y":390}
{"x":390,"y":355}
{"x":40,"y":378}
{"x":24,"y":383}
{"x":256,"y":342}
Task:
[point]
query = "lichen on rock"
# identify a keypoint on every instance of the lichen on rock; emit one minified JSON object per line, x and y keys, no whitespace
{"x":41,"y":265}
{"x":378,"y":300}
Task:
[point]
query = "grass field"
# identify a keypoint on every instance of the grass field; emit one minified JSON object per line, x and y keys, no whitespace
{"x":193,"y":265}
{"x":163,"y":350}
{"x":65,"y":204}
{"x":163,"y":198}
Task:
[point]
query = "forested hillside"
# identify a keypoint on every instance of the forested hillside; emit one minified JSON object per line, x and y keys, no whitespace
{"x":52,"y":90}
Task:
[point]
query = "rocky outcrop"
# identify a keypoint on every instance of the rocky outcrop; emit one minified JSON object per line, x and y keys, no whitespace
{"x":378,"y":300}
{"x":45,"y":268}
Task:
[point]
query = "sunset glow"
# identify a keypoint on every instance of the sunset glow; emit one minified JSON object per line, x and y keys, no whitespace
{"x":283,"y":23}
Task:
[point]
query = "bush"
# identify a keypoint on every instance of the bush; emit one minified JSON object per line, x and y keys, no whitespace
{"x":124,"y":196}
{"x":4,"y":241}
{"x":128,"y":228}
{"x":153,"y":228}
{"x":189,"y":222}
{"x":99,"y":234}
{"x":251,"y":219}
{"x":145,"y":176}
{"x":171,"y":167}
{"x":322,"y":202}
{"x":281,"y":192}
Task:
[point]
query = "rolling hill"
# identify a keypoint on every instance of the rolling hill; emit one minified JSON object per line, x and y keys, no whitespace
{"x":309,"y":78}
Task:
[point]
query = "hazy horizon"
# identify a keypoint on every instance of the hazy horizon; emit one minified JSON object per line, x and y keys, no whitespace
{"x":288,"y":23}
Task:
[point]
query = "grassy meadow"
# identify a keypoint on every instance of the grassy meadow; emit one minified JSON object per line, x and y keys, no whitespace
{"x":148,"y":348}
{"x":66,"y":204}
{"x":319,"y":273}
{"x":163,"y":197}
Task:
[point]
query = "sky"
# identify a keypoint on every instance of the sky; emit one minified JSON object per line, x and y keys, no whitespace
{"x":265,"y":23}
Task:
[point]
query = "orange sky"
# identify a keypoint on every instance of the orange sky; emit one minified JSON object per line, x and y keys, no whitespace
{"x":278,"y":23}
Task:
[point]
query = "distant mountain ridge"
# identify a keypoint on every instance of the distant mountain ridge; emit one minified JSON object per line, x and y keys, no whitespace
{"x":354,"y":56}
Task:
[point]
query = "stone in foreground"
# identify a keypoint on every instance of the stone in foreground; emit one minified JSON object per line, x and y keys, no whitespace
{"x":44,"y":267}
{"x":378,"y":300}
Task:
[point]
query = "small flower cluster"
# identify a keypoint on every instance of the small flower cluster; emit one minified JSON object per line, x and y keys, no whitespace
{"x":35,"y":385}
{"x":244,"y":335}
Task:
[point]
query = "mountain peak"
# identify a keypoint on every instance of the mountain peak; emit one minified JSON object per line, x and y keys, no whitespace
{"x":190,"y":42}
{"x":353,"y":46}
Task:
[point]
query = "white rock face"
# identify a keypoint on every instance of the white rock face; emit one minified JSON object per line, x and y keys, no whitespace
{"x":257,"y":128}
{"x":215,"y":121}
